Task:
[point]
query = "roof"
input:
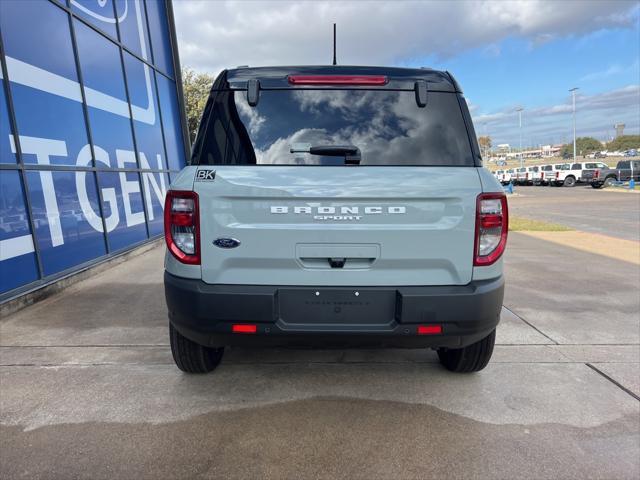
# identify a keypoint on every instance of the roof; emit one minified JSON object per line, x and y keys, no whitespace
{"x":399,"y":78}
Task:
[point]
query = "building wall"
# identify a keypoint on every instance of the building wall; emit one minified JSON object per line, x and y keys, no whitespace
{"x":91,"y":131}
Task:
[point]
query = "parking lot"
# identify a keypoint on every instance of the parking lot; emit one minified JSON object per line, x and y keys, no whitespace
{"x":610,"y":211}
{"x":89,"y":390}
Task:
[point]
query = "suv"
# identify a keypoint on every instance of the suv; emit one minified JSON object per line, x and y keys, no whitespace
{"x":335,"y":206}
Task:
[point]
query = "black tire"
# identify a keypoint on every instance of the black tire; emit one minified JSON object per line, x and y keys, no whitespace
{"x":192,"y":357}
{"x":570,"y":182}
{"x":472,"y":358}
{"x":608,"y":182}
{"x":596,"y":185}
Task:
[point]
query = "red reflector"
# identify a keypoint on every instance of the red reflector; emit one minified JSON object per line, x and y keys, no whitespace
{"x":491,"y":221}
{"x":244,"y":328}
{"x":182,"y":219}
{"x":429,"y":329}
{"x":337,"y":79}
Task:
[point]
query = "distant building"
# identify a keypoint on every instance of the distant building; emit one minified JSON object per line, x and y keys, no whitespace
{"x":619,"y":129}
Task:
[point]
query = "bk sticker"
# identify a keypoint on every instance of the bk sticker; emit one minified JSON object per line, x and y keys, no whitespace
{"x":205,"y":175}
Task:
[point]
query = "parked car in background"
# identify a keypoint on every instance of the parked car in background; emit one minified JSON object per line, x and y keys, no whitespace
{"x":605,"y":177}
{"x":503,"y":177}
{"x":521,"y":176}
{"x":534,"y":175}
{"x":588,"y":168}
{"x":546,"y":174}
{"x":631,"y":153}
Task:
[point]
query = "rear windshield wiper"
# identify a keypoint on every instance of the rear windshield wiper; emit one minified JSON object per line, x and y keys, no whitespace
{"x":351,"y":153}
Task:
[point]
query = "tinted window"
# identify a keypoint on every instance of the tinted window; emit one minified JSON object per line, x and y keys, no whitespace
{"x":576,"y":166}
{"x":386,"y":127}
{"x":626,"y":164}
{"x":547,"y":168}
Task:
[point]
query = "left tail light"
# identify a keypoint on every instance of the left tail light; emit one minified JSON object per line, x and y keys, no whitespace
{"x":492,"y":226}
{"x":182,"y":226}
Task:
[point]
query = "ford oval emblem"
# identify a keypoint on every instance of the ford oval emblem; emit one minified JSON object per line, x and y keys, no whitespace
{"x":226,"y":242}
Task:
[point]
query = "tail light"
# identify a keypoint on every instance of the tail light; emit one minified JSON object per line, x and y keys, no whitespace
{"x":492,"y":226}
{"x":596,"y":174}
{"x":557,"y":174}
{"x":182,"y":226}
{"x":526,"y":176}
{"x":541,"y":175}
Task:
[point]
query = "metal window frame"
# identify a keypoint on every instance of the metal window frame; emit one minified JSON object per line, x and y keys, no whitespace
{"x":23,"y":168}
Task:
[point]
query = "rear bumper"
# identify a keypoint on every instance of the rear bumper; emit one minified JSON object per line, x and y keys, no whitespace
{"x":289,"y":315}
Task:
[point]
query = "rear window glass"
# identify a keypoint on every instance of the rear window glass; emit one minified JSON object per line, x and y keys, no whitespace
{"x":547,"y":168}
{"x":334,"y":127}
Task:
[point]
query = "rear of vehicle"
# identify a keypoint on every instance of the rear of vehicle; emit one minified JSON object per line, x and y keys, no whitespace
{"x":589,"y":171}
{"x":335,"y":206}
{"x":535,"y":175}
{"x":548,"y":174}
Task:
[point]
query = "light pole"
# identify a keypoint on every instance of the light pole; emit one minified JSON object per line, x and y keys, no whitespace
{"x":519,"y":110}
{"x":573,"y":97}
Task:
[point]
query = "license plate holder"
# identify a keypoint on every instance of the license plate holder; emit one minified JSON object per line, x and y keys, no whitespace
{"x":337,"y":306}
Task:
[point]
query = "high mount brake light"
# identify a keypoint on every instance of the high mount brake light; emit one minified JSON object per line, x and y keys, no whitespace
{"x":372,"y":80}
{"x":182,"y":226}
{"x":492,"y":227}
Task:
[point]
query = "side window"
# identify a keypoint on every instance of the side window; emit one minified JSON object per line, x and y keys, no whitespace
{"x":576,"y":166}
{"x":625,"y":164}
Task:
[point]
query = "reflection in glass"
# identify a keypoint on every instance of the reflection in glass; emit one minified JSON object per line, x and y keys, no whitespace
{"x":17,"y":255}
{"x":288,"y":126}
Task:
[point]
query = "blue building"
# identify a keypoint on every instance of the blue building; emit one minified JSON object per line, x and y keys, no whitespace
{"x":91,"y":132}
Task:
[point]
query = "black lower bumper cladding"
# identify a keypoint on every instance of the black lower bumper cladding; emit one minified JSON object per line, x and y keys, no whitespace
{"x":334,"y":316}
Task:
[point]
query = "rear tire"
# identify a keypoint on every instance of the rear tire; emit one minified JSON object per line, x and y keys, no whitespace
{"x":596,"y":185}
{"x":609,"y":182}
{"x":570,"y":182}
{"x":192,"y":357}
{"x":471,"y":358}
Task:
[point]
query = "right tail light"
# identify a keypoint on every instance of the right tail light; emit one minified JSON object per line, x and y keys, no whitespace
{"x":182,"y":226}
{"x":596,"y":174}
{"x":492,"y":226}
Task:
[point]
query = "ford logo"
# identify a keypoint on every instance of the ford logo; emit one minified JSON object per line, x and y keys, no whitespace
{"x":226,"y":242}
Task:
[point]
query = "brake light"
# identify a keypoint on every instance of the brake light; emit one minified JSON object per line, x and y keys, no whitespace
{"x":596,"y":174}
{"x":337,"y":79}
{"x":182,"y":226}
{"x":541,"y":175}
{"x":492,"y":226}
{"x":557,"y":174}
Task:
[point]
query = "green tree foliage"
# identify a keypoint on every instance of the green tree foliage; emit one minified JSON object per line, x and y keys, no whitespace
{"x":196,"y":88}
{"x":624,"y":142}
{"x":584,"y":145}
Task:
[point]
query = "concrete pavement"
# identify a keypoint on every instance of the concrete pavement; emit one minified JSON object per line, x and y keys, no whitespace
{"x":88,"y":389}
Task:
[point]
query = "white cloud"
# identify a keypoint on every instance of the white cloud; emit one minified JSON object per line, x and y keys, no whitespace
{"x":216,"y":35}
{"x":595,"y":116}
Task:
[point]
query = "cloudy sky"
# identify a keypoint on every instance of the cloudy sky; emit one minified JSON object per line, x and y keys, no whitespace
{"x":505,"y":54}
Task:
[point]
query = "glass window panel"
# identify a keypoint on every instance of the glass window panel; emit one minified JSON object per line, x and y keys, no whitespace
{"x":147,"y":125}
{"x":159,"y":33}
{"x":44,"y":84}
{"x":123,"y":209}
{"x":171,"y":122}
{"x":132,"y":19}
{"x":6,"y":152}
{"x":17,"y":258}
{"x":97,"y":12}
{"x":155,"y":189}
{"x":102,"y":73}
{"x":66,"y":216}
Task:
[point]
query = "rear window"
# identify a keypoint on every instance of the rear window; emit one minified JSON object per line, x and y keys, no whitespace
{"x":334,"y":127}
{"x":547,"y":168}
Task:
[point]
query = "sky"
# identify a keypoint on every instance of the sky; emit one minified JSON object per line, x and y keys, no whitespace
{"x":504,"y":54}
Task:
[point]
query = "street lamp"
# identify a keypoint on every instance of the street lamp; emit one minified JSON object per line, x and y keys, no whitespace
{"x":519,"y":110}
{"x":573,"y":97}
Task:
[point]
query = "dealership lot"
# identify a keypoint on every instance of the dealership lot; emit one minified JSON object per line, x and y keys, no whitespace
{"x":89,"y":388}
{"x":610,"y":211}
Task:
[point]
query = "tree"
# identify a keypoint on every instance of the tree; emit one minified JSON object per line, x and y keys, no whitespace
{"x":584,"y":145}
{"x":624,"y":142}
{"x":196,"y":88}
{"x":485,"y":142}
